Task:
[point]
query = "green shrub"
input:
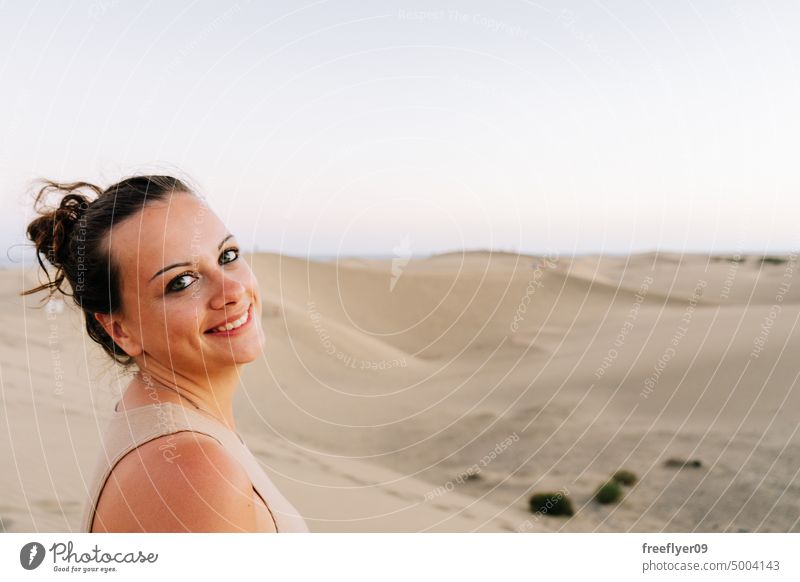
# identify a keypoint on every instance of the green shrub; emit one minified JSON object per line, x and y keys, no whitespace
{"x":551,"y":504}
{"x":625,"y":477}
{"x":608,"y":492}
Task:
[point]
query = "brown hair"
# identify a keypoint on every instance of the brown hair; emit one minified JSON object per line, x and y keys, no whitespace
{"x":72,"y":237}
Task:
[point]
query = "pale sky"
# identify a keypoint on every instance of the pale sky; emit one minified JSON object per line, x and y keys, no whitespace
{"x":356,"y":127}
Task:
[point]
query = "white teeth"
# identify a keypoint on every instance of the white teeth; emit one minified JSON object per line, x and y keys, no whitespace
{"x":234,"y":324}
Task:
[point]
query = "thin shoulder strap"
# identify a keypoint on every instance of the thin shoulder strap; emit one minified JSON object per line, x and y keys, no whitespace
{"x":284,"y":514}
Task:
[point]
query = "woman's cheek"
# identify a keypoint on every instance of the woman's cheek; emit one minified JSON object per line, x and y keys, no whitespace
{"x":178,"y":324}
{"x":189,"y":323}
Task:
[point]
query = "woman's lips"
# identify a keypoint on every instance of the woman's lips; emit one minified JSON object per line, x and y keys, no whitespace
{"x":236,"y":330}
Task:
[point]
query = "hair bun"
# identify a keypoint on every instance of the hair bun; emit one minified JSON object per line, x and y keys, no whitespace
{"x":73,"y":206}
{"x":53,"y":230}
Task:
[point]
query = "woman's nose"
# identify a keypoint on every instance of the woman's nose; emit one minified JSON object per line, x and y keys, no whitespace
{"x":228,"y":290}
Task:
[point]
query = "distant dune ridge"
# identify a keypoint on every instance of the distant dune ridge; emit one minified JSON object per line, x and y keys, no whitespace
{"x":439,"y":394}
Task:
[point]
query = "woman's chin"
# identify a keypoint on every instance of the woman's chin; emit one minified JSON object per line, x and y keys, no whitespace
{"x":216,"y":357}
{"x":249,"y":356}
{"x":238,"y":349}
{"x":240,"y":356}
{"x":252,"y":352}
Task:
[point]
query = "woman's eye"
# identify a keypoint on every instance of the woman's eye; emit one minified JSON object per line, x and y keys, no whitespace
{"x":181,"y":282}
{"x":229,"y":255}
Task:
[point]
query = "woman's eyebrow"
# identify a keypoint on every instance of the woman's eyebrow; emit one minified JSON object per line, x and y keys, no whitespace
{"x":185,"y":264}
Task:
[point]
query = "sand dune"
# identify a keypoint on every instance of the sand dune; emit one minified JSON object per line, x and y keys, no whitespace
{"x":386,"y":382}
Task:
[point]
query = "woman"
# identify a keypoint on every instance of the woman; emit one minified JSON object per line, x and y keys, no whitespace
{"x":165,"y":292}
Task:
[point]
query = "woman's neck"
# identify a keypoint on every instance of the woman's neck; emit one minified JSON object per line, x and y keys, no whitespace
{"x":212,"y":394}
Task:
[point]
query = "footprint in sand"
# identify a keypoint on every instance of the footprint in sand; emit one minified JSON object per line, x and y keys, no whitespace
{"x":357,"y":480}
{"x":447,"y":508}
{"x":398,"y":495}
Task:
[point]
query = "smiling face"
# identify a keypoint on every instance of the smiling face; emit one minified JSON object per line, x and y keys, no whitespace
{"x":189,"y":300}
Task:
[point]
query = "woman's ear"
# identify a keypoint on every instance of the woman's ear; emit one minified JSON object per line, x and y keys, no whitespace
{"x":119,"y":334}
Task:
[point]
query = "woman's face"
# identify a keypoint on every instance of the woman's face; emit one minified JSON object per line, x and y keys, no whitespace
{"x":183,"y":281}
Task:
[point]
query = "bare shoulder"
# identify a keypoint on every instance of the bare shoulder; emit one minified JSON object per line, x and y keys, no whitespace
{"x":183,"y":482}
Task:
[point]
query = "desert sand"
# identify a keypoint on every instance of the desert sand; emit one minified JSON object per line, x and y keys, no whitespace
{"x":439,"y":393}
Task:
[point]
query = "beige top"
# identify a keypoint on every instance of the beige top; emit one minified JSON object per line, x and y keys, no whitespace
{"x":128,"y":429}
